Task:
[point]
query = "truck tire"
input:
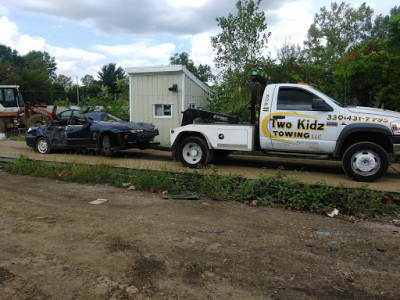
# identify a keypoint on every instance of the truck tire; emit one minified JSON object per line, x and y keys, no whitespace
{"x":37,"y":120}
{"x":107,"y":145}
{"x":2,"y":126}
{"x":193,"y":152}
{"x":365,"y":162}
{"x":42,"y":146}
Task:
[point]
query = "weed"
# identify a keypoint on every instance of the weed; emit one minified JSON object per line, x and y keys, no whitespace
{"x":278,"y":190}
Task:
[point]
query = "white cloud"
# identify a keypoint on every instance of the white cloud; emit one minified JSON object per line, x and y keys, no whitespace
{"x":8,"y":33}
{"x":4,"y":10}
{"x":170,"y":17}
{"x":294,"y":20}
{"x":76,"y":62}
{"x":70,"y":62}
{"x":142,"y":53}
{"x":23,"y":43}
{"x":202,"y":51}
{"x":26,"y":43}
{"x":185,"y":3}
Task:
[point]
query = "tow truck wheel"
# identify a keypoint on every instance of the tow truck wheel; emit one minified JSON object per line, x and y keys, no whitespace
{"x":193,"y":152}
{"x":365,"y":162}
{"x":43,"y":146}
{"x":37,"y":120}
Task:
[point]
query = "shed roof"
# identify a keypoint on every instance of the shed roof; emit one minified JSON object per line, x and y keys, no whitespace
{"x":167,"y":69}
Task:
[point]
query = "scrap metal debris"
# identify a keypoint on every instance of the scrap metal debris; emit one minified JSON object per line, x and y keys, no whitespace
{"x":64,"y":174}
{"x":98,"y":201}
{"x":324,"y":233}
{"x":192,"y":196}
{"x":332,"y":213}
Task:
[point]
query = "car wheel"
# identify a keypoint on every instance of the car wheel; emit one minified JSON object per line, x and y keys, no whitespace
{"x":107,"y":145}
{"x":37,"y":120}
{"x":365,"y":162}
{"x":43,"y":145}
{"x":193,"y":152}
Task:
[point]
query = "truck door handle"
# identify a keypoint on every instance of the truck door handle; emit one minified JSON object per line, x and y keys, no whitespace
{"x":278,"y":117}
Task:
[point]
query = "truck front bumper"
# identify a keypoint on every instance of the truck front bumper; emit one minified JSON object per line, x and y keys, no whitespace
{"x":396,"y":145}
{"x":396,"y":149}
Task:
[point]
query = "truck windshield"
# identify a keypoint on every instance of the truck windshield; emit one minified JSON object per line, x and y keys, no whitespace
{"x":333,"y":100}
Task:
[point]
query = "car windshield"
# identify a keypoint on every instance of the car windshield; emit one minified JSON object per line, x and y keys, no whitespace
{"x":101,"y":117}
{"x":111,"y":118}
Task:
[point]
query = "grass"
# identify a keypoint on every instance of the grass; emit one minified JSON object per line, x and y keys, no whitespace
{"x":277,"y":191}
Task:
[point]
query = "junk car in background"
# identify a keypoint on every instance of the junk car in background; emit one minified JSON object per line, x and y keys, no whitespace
{"x":95,"y":130}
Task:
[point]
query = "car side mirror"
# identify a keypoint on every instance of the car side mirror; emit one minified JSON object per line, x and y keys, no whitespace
{"x":321,"y":105}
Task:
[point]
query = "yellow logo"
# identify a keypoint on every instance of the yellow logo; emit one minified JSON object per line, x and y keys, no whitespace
{"x":301,"y":126}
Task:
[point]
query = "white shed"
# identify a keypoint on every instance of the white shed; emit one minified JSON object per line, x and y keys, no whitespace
{"x":158,"y":95}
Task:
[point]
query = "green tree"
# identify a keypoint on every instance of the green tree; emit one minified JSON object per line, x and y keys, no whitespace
{"x":38,"y":74}
{"x":90,"y":87}
{"x":87,"y":80}
{"x":9,"y":74}
{"x":34,"y":57}
{"x":61,"y":87}
{"x":10,"y":65}
{"x":109,"y":74}
{"x":64,"y":81}
{"x":9,"y":55}
{"x":202,"y":72}
{"x":334,"y":31}
{"x":239,"y":48}
{"x":368,"y":73}
{"x":394,"y":29}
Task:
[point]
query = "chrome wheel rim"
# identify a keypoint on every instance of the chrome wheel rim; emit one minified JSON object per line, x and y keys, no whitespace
{"x":192,"y":153}
{"x":42,"y":146}
{"x":365,"y":162}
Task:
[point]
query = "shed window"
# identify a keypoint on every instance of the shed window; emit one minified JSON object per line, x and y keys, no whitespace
{"x":162,"y":110}
{"x":192,"y":105}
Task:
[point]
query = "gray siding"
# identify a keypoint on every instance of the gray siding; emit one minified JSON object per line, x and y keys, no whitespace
{"x":194,"y":94}
{"x":150,"y":89}
{"x":149,"y":86}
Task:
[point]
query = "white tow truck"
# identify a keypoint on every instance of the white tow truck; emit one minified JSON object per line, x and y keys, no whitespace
{"x":294,"y":119}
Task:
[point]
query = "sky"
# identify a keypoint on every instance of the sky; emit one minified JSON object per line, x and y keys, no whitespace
{"x":84,"y":35}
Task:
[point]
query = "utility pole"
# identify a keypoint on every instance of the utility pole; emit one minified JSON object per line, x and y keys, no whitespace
{"x":77,"y":90}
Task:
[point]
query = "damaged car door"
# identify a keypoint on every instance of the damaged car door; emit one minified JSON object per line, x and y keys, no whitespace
{"x":79,"y":133}
{"x":57,"y":135}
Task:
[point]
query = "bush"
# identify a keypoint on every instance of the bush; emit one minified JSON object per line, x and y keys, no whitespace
{"x":277,"y":191}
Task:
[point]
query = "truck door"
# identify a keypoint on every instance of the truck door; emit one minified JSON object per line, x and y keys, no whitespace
{"x":299,"y":120}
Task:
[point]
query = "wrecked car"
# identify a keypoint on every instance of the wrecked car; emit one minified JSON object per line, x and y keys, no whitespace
{"x":95,"y":130}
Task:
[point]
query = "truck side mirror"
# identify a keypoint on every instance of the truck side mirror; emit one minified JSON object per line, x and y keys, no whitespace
{"x":321,"y":105}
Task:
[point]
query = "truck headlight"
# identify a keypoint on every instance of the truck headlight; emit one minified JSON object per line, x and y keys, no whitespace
{"x":395,"y":127}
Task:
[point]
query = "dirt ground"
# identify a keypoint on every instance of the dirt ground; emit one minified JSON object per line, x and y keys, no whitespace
{"x":137,"y":245}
